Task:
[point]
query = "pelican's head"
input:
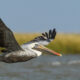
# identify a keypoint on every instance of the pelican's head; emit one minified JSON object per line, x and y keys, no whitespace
{"x":44,"y":49}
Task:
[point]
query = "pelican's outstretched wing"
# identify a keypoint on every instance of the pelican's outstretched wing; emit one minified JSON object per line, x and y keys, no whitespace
{"x":7,"y":39}
{"x":46,"y":37}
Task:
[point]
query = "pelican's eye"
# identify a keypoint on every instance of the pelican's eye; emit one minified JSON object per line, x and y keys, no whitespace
{"x":36,"y":45}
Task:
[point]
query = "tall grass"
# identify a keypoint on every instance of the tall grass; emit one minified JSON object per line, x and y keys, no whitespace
{"x":63,"y":43}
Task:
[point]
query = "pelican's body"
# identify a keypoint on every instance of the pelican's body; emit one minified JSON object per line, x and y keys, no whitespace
{"x":20,"y":56}
{"x":15,"y":53}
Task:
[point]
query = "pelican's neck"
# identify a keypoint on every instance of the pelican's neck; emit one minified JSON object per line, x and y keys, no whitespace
{"x":32,"y":51}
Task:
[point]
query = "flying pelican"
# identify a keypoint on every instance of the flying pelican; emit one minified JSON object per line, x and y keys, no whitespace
{"x":13,"y":53}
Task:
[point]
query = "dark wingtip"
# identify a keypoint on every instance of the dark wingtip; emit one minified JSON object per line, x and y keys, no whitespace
{"x":43,"y":34}
{"x":50,"y":31}
{"x":46,"y":34}
{"x":54,"y":33}
{"x":51,"y":34}
{"x":54,"y":29}
{"x":1,"y":21}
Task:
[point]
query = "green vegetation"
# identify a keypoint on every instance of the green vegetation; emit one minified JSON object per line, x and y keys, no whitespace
{"x":63,"y":43}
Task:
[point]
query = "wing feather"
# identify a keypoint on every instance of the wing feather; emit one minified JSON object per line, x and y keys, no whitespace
{"x":47,"y":36}
{"x":7,"y":39}
{"x":44,"y":39}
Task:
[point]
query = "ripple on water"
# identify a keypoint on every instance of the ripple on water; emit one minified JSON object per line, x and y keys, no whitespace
{"x":74,"y":62}
{"x":56,"y":63}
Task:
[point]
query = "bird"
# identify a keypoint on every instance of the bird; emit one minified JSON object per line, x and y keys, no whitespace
{"x":12,"y":52}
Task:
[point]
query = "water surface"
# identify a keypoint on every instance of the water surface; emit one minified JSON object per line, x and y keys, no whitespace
{"x":43,"y":68}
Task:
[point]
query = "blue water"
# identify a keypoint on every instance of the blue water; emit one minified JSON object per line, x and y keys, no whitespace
{"x":50,"y":67}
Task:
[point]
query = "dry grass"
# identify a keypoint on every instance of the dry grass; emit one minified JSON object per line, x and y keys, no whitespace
{"x":63,"y":43}
{"x":66,"y":43}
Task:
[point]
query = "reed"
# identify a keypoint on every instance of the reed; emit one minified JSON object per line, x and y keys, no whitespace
{"x":63,"y":43}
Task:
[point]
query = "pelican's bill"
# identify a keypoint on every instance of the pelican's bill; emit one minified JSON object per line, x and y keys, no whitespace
{"x":41,"y":47}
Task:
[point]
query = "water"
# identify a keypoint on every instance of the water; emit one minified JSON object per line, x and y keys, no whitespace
{"x":50,"y":67}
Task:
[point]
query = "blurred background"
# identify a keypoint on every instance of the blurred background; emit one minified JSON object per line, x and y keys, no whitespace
{"x":28,"y":19}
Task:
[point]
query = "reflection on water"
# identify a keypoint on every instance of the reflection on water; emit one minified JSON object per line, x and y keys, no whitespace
{"x":43,"y":68}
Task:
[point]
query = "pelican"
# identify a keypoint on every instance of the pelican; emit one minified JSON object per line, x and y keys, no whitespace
{"x":13,"y":52}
